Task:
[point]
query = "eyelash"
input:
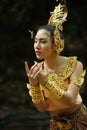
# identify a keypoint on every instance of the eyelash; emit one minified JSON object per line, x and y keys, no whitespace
{"x":42,"y":41}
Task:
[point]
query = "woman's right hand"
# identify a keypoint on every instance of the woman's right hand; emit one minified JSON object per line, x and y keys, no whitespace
{"x":32,"y":74}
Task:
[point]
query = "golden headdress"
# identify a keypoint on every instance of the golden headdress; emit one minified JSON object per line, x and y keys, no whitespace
{"x":57,"y":18}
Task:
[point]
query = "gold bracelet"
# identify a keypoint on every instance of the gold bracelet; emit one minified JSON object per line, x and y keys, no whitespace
{"x":36,"y":95}
{"x":80,"y":79}
{"x":52,"y":86}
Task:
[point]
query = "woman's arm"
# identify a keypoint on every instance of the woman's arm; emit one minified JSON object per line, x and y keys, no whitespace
{"x":67,"y":97}
{"x":34,"y":87}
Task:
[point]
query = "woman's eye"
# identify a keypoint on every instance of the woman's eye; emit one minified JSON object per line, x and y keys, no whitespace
{"x":43,"y":41}
{"x":40,"y":41}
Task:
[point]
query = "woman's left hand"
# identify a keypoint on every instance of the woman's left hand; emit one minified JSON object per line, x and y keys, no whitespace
{"x":42,"y":76}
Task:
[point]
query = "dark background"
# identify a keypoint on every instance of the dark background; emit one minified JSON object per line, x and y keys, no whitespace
{"x":16,"y":17}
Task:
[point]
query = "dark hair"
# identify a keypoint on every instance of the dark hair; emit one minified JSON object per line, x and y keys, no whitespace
{"x":51,"y":29}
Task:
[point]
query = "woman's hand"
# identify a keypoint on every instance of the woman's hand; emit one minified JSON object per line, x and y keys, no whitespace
{"x":42,"y":76}
{"x":36,"y":74}
{"x":32,"y":73}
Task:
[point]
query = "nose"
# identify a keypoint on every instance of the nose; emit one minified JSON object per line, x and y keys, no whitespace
{"x":37,"y":45}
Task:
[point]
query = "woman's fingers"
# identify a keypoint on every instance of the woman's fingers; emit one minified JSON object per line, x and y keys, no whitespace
{"x":33,"y":71}
{"x":42,"y":66}
{"x":26,"y":68}
{"x":34,"y":68}
{"x":35,"y":62}
{"x":35,"y":75}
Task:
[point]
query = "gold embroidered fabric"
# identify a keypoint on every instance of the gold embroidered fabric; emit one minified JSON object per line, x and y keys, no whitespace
{"x":62,"y":78}
{"x":80,"y":79}
{"x":69,"y":69}
{"x":35,"y":93}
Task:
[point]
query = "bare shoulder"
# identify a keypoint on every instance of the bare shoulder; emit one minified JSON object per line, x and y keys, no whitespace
{"x":79,"y":66}
{"x":78,"y":69}
{"x":62,"y":62}
{"x":64,"y":59}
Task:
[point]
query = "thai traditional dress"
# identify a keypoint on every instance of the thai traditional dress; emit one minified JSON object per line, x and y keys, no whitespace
{"x":72,"y":118}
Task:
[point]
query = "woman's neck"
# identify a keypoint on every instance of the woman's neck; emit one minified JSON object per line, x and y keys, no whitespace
{"x":52,"y":62}
{"x":55,"y":63}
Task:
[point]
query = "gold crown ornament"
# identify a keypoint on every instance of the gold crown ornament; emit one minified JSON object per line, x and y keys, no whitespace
{"x":57,"y":18}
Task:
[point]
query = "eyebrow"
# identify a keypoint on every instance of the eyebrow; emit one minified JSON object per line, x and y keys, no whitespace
{"x":41,"y":38}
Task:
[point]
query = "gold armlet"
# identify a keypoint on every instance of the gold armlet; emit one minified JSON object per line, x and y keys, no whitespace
{"x":80,"y":79}
{"x":52,"y":86}
{"x":36,"y":95}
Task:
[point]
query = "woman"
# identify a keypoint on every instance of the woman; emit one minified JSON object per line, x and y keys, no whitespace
{"x":55,"y":82}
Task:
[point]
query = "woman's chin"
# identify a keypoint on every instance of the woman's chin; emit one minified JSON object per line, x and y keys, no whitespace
{"x":39,"y":58}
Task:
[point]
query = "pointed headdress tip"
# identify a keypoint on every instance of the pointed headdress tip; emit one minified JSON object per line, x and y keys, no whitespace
{"x":61,"y":1}
{"x":31,"y":33}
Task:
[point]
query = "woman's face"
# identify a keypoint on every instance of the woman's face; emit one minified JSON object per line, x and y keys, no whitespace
{"x":43,"y":45}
